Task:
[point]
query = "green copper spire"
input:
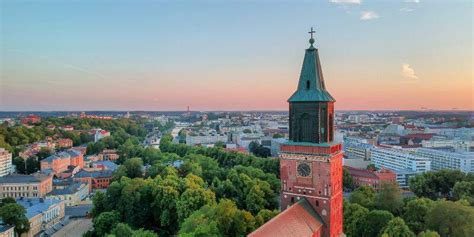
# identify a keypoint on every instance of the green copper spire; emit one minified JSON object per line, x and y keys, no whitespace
{"x":311,"y":84}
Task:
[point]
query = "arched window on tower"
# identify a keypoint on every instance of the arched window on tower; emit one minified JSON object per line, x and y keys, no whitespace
{"x":306,"y":128}
{"x":307,"y":85}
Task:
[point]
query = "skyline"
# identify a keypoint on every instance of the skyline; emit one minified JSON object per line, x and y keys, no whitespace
{"x":237,"y":56}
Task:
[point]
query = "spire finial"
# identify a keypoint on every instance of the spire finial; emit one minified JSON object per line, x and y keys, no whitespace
{"x":311,"y":40}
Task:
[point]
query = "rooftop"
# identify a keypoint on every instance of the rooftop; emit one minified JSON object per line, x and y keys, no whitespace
{"x":35,"y":206}
{"x":23,"y":178}
{"x":62,"y":155}
{"x":73,"y":188}
{"x":311,"y":86}
{"x":298,"y":220}
{"x":94,"y":174}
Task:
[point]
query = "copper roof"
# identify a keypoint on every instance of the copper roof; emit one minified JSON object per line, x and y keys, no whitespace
{"x":298,"y":220}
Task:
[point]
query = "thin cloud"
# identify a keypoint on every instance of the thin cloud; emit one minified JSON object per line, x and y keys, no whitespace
{"x":65,"y":65}
{"x":412,"y":1}
{"x":408,"y":72}
{"x":406,"y":9}
{"x":368,"y":15}
{"x":80,"y":69}
{"x":346,"y":1}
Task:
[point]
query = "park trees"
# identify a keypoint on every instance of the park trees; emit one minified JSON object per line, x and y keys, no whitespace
{"x":415,"y":213}
{"x":347,"y":181}
{"x":222,"y":219}
{"x":389,"y":198}
{"x":354,"y":219}
{"x":105,"y":222}
{"x":12,"y":213}
{"x":364,"y":196}
{"x":375,"y":221}
{"x":397,"y":228}
{"x":450,"y":218}
{"x":437,"y":184}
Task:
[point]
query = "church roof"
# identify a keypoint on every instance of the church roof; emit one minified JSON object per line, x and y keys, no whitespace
{"x":311,"y":86}
{"x":298,"y":220}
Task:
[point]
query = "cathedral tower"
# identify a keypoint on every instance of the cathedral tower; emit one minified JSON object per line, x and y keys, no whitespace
{"x":311,"y":162}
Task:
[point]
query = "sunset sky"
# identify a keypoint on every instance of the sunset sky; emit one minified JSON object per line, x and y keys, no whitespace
{"x":233,"y":55}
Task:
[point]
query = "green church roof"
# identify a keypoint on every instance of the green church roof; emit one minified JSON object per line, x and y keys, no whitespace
{"x":311,"y":84}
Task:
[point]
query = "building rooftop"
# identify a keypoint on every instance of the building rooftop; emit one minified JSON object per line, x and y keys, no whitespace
{"x":62,"y":155}
{"x":109,"y":165}
{"x":4,"y":228}
{"x":23,"y":178}
{"x":361,"y":172}
{"x":311,"y":86}
{"x":298,"y":220}
{"x":73,"y":188}
{"x":94,"y":174}
{"x":35,"y":206}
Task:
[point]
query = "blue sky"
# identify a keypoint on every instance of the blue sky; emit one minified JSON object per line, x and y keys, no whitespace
{"x":164,"y":55}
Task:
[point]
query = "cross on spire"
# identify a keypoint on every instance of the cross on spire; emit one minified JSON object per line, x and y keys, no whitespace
{"x":311,"y":32}
{"x":311,"y":40}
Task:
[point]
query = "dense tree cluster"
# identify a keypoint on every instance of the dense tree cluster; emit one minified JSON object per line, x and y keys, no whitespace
{"x":259,"y":150}
{"x":385,"y":213}
{"x":14,"y":214}
{"x":450,"y":184}
{"x":192,"y":191}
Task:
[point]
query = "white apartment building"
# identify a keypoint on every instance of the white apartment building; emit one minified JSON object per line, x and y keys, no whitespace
{"x":205,"y":139}
{"x":401,"y":162}
{"x":456,"y":144}
{"x":5,"y":162}
{"x":463,"y":161}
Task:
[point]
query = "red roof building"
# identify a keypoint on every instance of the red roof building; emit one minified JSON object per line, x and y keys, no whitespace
{"x":298,"y":220}
{"x":361,"y":177}
{"x":31,"y":119}
{"x":64,"y":143}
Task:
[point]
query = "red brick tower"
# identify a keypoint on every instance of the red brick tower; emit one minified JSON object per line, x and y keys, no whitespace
{"x":311,"y":162}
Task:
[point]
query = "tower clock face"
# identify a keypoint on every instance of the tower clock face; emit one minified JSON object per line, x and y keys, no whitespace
{"x":304,"y":170}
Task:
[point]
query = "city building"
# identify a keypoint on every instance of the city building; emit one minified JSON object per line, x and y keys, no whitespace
{"x":403,"y":163}
{"x":42,"y":213}
{"x":398,"y":120}
{"x":108,"y":154}
{"x":64,"y":143}
{"x":99,"y":179}
{"x":444,"y":143}
{"x":310,"y":162}
{"x":102,"y":165}
{"x":99,"y":134}
{"x":391,"y":134}
{"x":31,"y":119}
{"x":361,"y":177}
{"x":356,"y":152}
{"x":359,"y":118}
{"x":72,"y":194}
{"x":7,"y":230}
{"x":28,"y":186}
{"x":62,"y":161}
{"x":6,"y":166}
{"x":34,"y":148}
{"x":356,"y":148}
{"x":67,"y":128}
{"x":211,"y":138}
{"x":463,"y":161}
